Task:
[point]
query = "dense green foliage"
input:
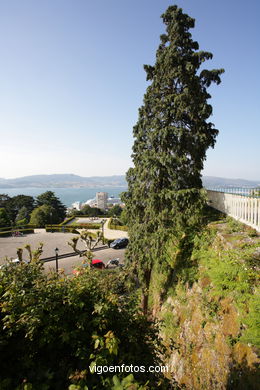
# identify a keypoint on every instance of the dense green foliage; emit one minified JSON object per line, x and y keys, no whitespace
{"x":21,"y":208}
{"x":115,"y":211}
{"x":171,"y":136}
{"x":234,"y":276}
{"x":43,"y":215}
{"x":48,"y":198}
{"x":210,"y":314}
{"x":116,"y":224}
{"x":4,"y":219}
{"x":96,"y":212}
{"x":54,"y":328}
{"x":23,"y":216}
{"x":87,"y":211}
{"x":5,"y":202}
{"x":20,"y":202}
{"x":15,"y":204}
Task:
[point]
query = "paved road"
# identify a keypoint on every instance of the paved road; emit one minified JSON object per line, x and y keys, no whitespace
{"x":9,"y":245}
{"x":71,"y":262}
{"x":113,"y":234}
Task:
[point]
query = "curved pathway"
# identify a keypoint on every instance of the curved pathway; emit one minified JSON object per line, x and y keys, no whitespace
{"x":111,"y":234}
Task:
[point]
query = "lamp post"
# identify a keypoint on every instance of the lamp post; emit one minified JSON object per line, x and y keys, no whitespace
{"x":51,"y":221}
{"x":56,"y":256}
{"x":102,"y":225}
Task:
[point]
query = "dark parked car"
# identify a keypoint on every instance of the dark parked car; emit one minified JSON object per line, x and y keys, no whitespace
{"x":119,"y":243}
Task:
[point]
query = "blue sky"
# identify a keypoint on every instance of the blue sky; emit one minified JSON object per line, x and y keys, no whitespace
{"x":72,"y":80}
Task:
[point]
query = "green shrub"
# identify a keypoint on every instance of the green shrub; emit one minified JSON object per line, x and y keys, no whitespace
{"x":6,"y":233}
{"x":234,"y":226}
{"x":86,"y":225}
{"x":252,"y":320}
{"x":67,"y":220}
{"x":10,"y":232}
{"x":233,"y":274}
{"x":112,"y":225}
{"x":6,"y":228}
{"x":60,"y":229}
{"x":52,"y":329}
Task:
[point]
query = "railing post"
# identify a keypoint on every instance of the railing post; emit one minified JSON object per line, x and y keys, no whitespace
{"x":243,"y":207}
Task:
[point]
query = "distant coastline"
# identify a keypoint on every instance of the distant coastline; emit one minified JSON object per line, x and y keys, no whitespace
{"x":71,"y":188}
{"x":77,"y":182}
{"x":66,"y":195}
{"x":2,"y":187}
{"x":63,"y":181}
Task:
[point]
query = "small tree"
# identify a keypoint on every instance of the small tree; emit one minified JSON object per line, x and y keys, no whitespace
{"x":19,"y":202}
{"x":43,"y":215}
{"x":34,"y":256}
{"x":22,"y":216}
{"x":171,"y":136}
{"x":6,"y":203}
{"x":4,"y":219}
{"x":91,"y":211}
{"x":89,"y":242}
{"x":116,"y":210}
{"x":48,"y":198}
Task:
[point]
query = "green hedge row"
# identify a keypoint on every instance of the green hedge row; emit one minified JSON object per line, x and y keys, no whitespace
{"x":18,"y":227}
{"x":86,"y":225}
{"x":8,"y":233}
{"x":72,"y":226}
{"x":116,"y":227}
{"x":66,"y":221}
{"x":61,"y":229}
{"x":87,"y":216}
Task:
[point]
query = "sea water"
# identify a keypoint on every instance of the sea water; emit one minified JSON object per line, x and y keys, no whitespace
{"x":66,"y":195}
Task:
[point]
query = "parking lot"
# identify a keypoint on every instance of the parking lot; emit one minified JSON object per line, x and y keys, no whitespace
{"x":9,"y":245}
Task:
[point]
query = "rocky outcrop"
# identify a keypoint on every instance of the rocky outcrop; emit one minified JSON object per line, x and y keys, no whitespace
{"x":210,"y":323}
{"x":203,"y":352}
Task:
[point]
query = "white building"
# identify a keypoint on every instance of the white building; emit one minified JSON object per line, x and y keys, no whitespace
{"x":77,"y":205}
{"x":101,"y":198}
{"x":91,"y":203}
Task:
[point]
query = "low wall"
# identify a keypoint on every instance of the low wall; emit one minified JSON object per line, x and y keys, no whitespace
{"x":243,"y":208}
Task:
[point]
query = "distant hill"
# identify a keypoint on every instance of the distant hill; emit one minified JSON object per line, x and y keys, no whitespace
{"x":63,"y":181}
{"x":212,"y":181}
{"x":75,"y":181}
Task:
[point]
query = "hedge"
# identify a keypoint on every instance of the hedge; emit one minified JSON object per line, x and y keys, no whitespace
{"x":61,"y":229}
{"x":87,"y":225}
{"x":69,"y":219}
{"x":8,"y":233}
{"x":17,"y":227}
{"x":66,"y":221}
{"x":64,"y":228}
{"x":116,"y":227}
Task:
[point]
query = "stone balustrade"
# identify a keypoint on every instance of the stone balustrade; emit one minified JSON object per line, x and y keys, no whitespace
{"x":245,"y":209}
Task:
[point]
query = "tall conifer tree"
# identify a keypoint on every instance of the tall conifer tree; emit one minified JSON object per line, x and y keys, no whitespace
{"x":171,"y":136}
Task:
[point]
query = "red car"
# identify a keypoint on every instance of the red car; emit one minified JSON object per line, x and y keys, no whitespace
{"x":96,"y":263}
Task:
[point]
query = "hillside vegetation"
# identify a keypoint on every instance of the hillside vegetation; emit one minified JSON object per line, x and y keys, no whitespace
{"x":54,"y":330}
{"x":211,"y":311}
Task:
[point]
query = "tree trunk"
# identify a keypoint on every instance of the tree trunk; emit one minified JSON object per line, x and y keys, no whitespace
{"x":145,"y":291}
